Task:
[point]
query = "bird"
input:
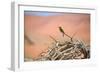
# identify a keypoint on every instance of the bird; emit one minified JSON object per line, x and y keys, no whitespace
{"x":61,"y":30}
{"x":63,"y":33}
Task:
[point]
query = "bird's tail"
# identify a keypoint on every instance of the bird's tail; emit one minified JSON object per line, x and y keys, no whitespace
{"x":63,"y":34}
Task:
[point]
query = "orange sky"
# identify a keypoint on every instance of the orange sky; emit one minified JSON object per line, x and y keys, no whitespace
{"x":38,"y":29}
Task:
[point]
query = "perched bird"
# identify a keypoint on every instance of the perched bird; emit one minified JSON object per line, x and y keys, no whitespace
{"x":63,"y":33}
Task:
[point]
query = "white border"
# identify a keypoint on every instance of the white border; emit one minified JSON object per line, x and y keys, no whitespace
{"x":18,"y":54}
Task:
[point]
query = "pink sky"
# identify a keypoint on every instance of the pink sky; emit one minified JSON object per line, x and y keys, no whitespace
{"x":38,"y":28}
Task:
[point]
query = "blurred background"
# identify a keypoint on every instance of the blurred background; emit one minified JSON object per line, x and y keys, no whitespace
{"x":40,"y":25}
